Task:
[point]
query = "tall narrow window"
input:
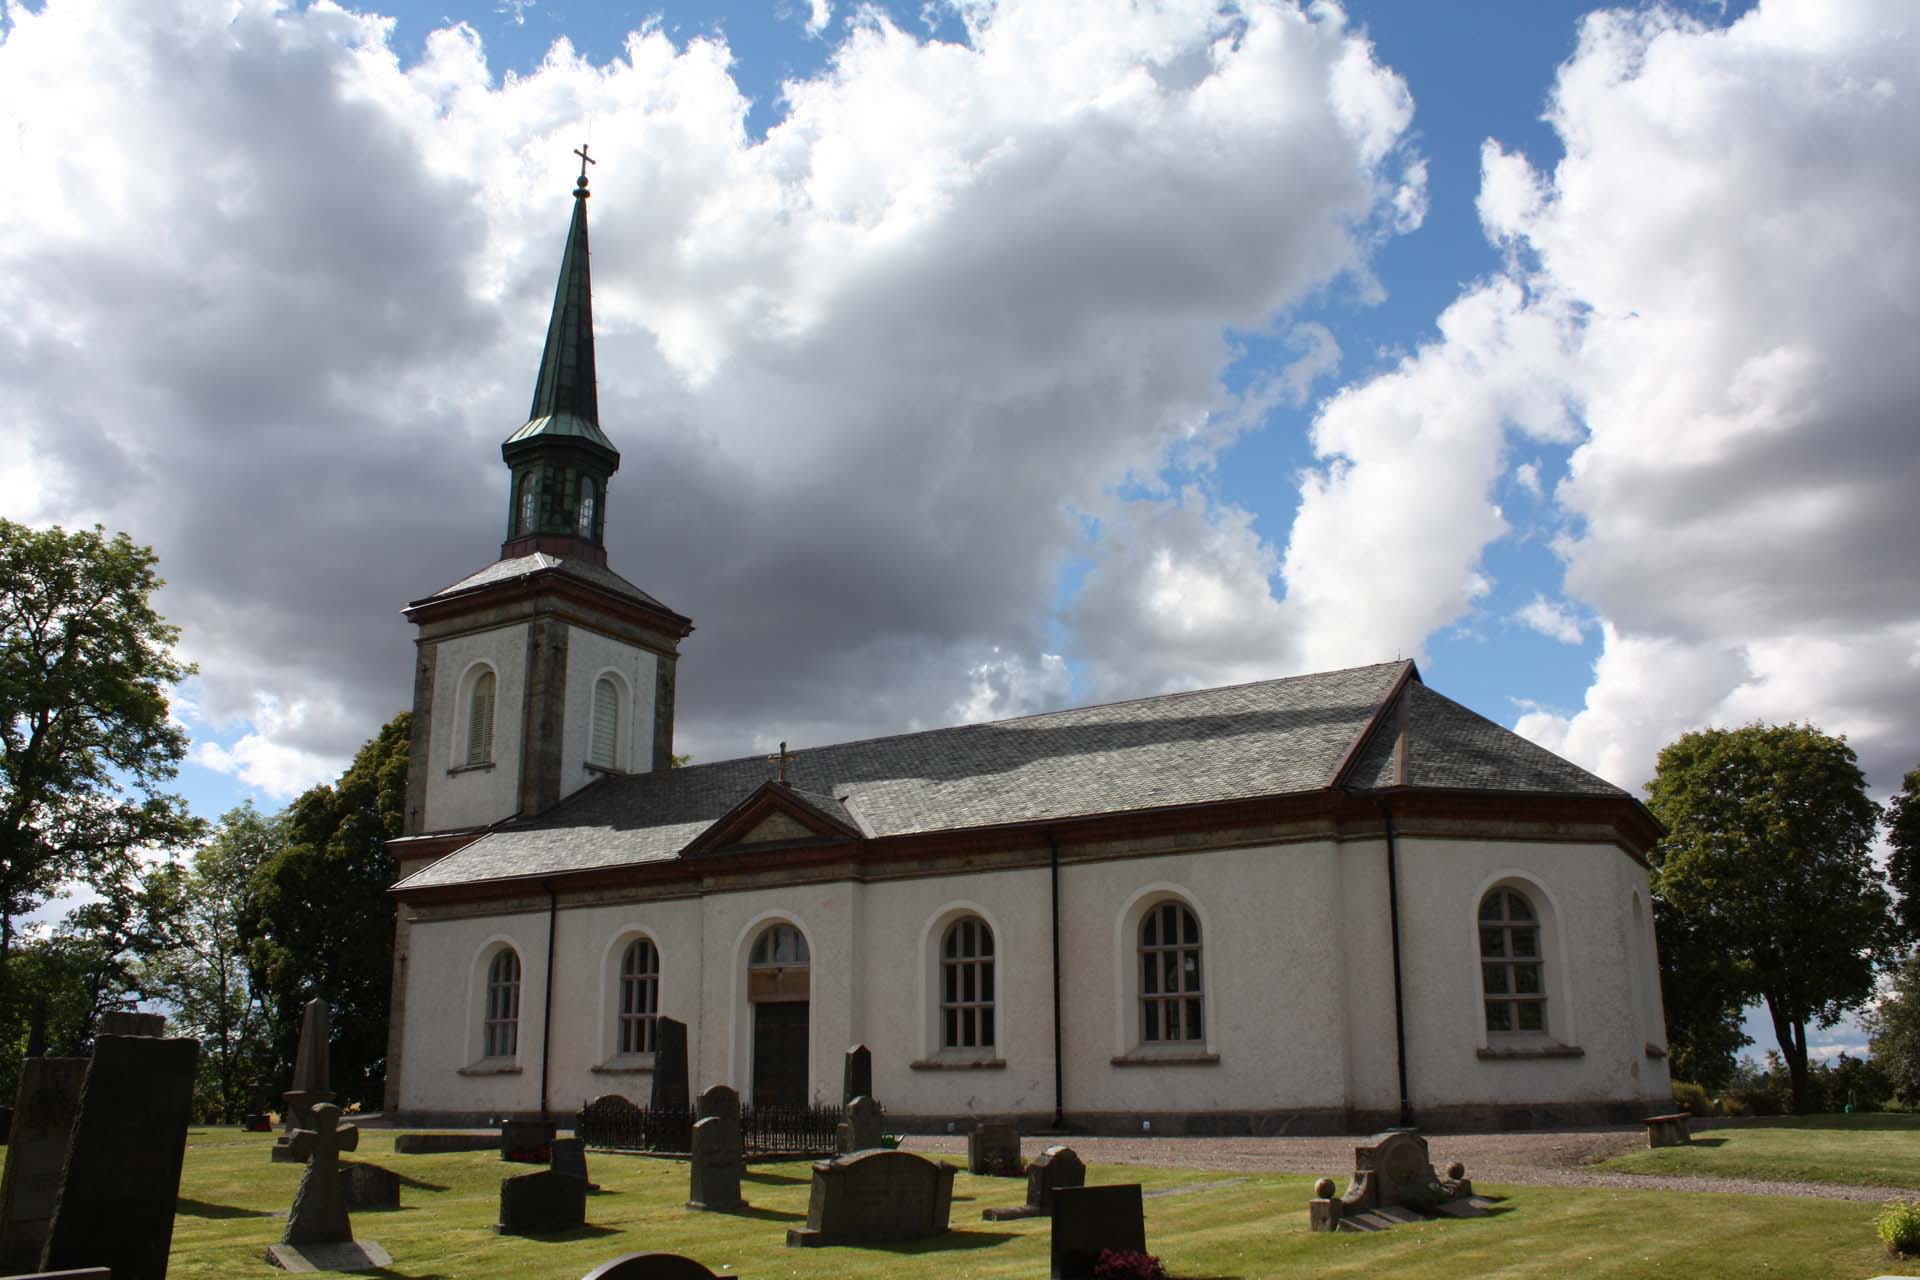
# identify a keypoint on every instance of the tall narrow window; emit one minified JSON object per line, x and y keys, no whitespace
{"x":639,"y":996}
{"x":966,"y":985}
{"x":1171,"y":1004}
{"x":606,"y":723}
{"x":480,"y":720}
{"x":585,"y":525}
{"x":1510,"y":967}
{"x":502,"y":1025}
{"x":529,"y":500}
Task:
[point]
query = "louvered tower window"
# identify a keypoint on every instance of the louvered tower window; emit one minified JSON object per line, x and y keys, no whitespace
{"x":480,"y":720}
{"x":606,"y":723}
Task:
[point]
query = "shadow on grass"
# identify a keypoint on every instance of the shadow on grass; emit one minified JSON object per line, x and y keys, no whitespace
{"x":1709,"y":1142}
{"x":942,"y":1243}
{"x":775,"y":1178}
{"x":765,"y":1215}
{"x":591,"y":1231}
{"x":201,"y":1209}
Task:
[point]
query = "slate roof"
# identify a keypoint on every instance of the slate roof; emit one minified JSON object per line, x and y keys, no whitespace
{"x":520,"y":566}
{"x":1274,"y":737}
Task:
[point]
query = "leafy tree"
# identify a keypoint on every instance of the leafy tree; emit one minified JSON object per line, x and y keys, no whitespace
{"x":1703,"y":993}
{"x":1903,"y":834}
{"x":1895,"y":1028}
{"x":207,"y":979}
{"x":322,"y":922}
{"x":85,"y":742}
{"x":1769,"y":860}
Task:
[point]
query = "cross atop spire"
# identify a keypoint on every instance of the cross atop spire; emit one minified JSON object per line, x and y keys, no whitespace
{"x":782,"y":760}
{"x":580,"y":188}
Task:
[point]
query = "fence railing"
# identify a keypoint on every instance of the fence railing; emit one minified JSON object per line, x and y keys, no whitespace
{"x":613,"y":1122}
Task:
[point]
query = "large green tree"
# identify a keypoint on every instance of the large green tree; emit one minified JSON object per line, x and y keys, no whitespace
{"x":85,"y":740}
{"x":206,"y":976}
{"x":322,"y":920}
{"x":1769,"y":860}
{"x":1704,"y":994}
{"x":1895,"y":1028}
{"x":1903,"y":836}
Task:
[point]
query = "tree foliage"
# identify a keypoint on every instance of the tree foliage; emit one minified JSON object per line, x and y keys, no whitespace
{"x":323,"y":922}
{"x":85,"y":740}
{"x":1903,"y":836}
{"x":1895,"y":1028}
{"x":1705,"y":998}
{"x":1769,"y":861}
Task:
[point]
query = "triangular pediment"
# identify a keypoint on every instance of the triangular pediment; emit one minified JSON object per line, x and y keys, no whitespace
{"x":776,"y":816}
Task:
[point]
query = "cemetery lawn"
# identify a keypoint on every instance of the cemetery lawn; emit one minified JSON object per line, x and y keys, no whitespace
{"x":1865,"y":1150}
{"x":233,"y":1204}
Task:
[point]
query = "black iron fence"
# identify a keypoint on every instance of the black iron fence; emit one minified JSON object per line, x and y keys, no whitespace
{"x":615,"y":1123}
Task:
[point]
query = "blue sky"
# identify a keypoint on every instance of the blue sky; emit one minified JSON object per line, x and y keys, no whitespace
{"x":970,"y":361}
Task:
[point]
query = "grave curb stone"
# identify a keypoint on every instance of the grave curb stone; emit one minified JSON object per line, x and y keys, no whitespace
{"x":350,"y":1255}
{"x":554,"y":1201}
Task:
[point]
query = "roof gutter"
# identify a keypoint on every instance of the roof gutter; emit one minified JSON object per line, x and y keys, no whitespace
{"x":1399,"y":997}
{"x":546,"y":1006}
{"x":1059,"y":1066}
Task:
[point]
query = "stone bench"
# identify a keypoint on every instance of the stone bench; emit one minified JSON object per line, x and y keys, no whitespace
{"x":1668,"y":1131}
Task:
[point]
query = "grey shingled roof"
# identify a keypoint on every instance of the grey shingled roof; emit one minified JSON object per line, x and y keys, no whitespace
{"x":520,"y":566}
{"x":1451,"y":748}
{"x":1274,"y":737}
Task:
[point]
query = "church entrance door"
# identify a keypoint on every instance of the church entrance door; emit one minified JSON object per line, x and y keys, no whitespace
{"x":780,"y":1054}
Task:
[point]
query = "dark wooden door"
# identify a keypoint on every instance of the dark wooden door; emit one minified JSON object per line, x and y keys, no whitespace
{"x":780,"y":1053}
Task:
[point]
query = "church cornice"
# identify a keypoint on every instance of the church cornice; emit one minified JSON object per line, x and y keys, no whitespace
{"x":548,"y":589}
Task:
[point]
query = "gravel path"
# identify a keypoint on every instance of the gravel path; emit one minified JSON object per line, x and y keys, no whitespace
{"x":1549,"y":1158}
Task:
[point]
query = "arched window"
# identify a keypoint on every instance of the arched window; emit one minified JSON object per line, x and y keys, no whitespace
{"x":1511,"y":974}
{"x":501,"y":1029}
{"x":605,"y":750}
{"x":1171,"y":1004}
{"x":480,"y":720}
{"x":529,"y":499}
{"x":779,"y":946}
{"x":585,"y":524}
{"x":639,"y":996}
{"x":966,"y":985}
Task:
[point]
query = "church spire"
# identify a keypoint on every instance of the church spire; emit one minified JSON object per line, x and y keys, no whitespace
{"x":561,"y":459}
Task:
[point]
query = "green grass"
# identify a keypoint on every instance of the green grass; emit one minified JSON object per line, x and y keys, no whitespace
{"x":1867,"y":1150}
{"x":1217,"y":1225}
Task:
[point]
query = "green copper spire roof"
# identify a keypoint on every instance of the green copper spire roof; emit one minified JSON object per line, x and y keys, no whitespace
{"x":565,"y":401}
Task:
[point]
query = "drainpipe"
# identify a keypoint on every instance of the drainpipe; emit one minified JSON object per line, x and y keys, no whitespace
{"x":546,"y":1008}
{"x":1399,"y":1001}
{"x":1059,"y":1088}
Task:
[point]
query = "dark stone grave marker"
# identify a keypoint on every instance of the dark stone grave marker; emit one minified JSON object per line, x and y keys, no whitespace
{"x":527,"y":1141}
{"x":125,"y":1022}
{"x":122,"y":1176}
{"x":538,"y":1204}
{"x":1089,"y":1220}
{"x":439,"y":1144}
{"x":993,"y":1148}
{"x":650,"y":1266}
{"x":856,"y":1079}
{"x":319,"y":1235}
{"x":861,"y":1129}
{"x":1050,"y":1171}
{"x":570,"y":1158}
{"x":368,"y":1186}
{"x":43,"y":1109}
{"x":714,"y":1173}
{"x":1393,"y":1182}
{"x":311,"y":1081}
{"x":670,"y":1080}
{"x":876,"y":1196}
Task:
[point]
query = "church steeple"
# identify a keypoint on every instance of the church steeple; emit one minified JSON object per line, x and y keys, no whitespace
{"x":560,"y":459}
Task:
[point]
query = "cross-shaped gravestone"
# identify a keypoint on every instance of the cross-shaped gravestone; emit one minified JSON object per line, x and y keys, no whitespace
{"x":319,"y":1213}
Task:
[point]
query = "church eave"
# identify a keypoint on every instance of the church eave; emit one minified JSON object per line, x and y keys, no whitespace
{"x":555,"y":581}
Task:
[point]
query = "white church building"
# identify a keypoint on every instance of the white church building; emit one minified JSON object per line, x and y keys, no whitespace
{"x":1323,"y":903}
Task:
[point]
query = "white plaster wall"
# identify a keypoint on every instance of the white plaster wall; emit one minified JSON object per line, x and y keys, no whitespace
{"x":589,"y":656}
{"x":1588,"y":952}
{"x":474,"y":797}
{"x":446,"y":980}
{"x":1364,"y":974}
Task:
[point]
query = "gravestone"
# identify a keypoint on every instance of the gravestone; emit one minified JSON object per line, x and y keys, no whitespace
{"x":650,"y":1266}
{"x":570,"y":1158}
{"x":439,"y":1144}
{"x":876,"y":1196}
{"x":527,"y":1141}
{"x":538,"y":1204}
{"x":1050,"y":1171}
{"x":994,"y":1148}
{"x":856,"y":1080}
{"x":311,"y":1083}
{"x":861,"y":1129}
{"x":43,"y":1111}
{"x":319,"y":1234}
{"x":122,"y":1175}
{"x":1668,"y":1130}
{"x":368,"y":1186}
{"x":37,"y":1028}
{"x":670,"y":1081}
{"x":714,"y":1171}
{"x":1393,"y":1182}
{"x":1088,"y":1220}
{"x":124,"y":1022}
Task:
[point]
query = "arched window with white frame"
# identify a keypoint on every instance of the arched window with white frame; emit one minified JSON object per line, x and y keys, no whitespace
{"x":500,"y":1025}
{"x":1512,"y":968}
{"x":639,"y":996}
{"x":604,"y":751}
{"x":480,"y":700}
{"x":967,"y":985}
{"x":1172,"y":999}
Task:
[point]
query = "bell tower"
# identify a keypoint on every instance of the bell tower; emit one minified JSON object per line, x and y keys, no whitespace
{"x":545,"y":670}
